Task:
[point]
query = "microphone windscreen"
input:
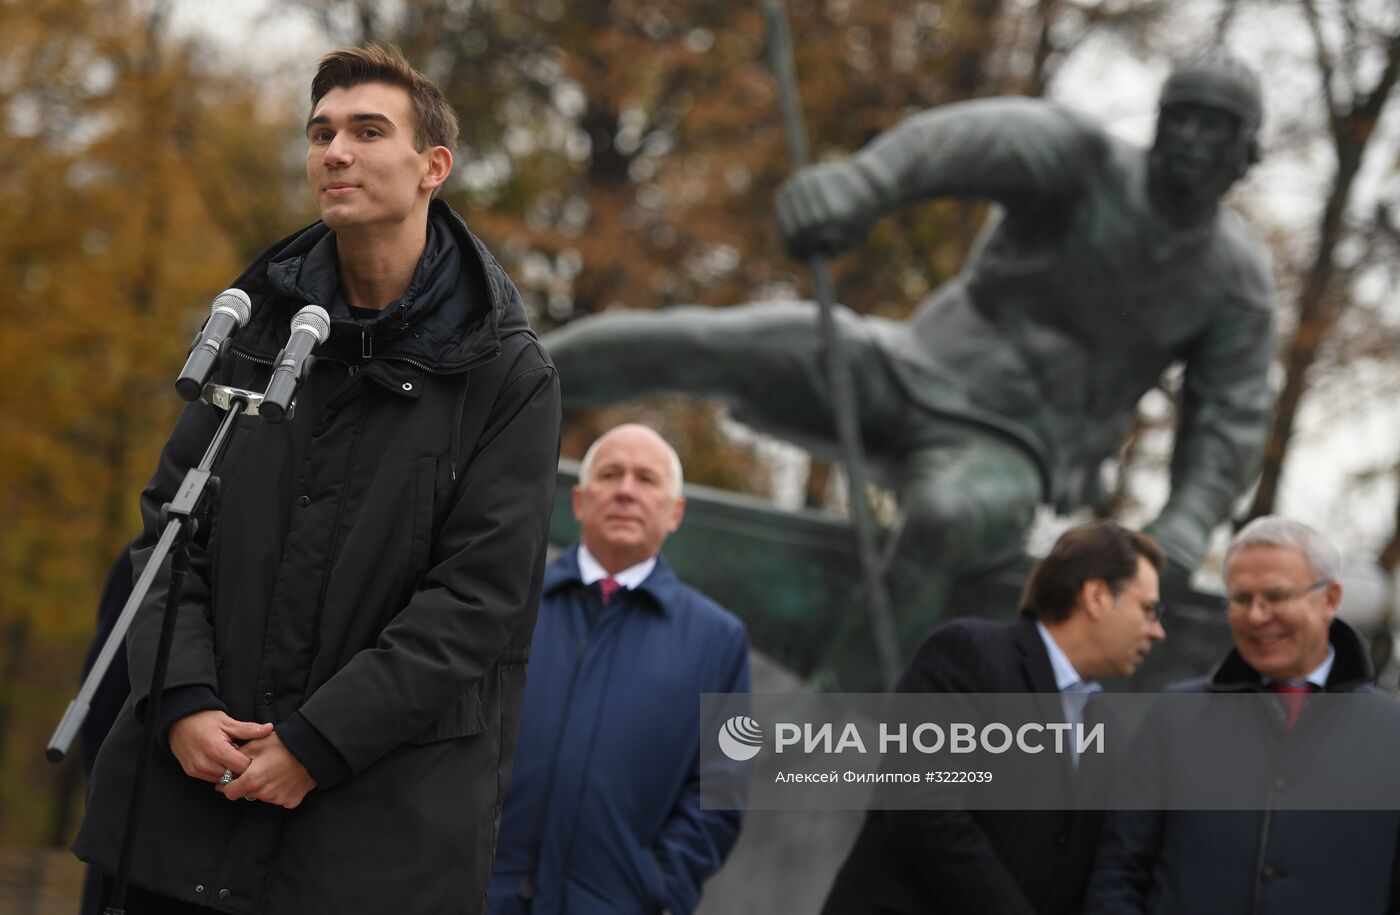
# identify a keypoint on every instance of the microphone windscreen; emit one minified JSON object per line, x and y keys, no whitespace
{"x":234,"y":302}
{"x":314,"y":319}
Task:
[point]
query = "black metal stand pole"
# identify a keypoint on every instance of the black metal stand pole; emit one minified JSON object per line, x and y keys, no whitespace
{"x":180,"y":520}
{"x":838,"y":370}
{"x":179,"y":565}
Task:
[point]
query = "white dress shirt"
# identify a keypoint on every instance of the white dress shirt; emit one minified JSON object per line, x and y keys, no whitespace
{"x":591,"y":570}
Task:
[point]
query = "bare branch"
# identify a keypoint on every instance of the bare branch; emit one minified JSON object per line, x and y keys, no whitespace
{"x":1351,"y":50}
{"x":1369,"y":110}
{"x":1324,"y":68}
{"x":1389,"y":557}
{"x":1044,"y":47}
{"x":1228,"y":8}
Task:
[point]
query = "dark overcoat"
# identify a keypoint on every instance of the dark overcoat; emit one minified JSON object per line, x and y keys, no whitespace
{"x":977,"y":862}
{"x":1278,"y":857}
{"x":370,"y":576}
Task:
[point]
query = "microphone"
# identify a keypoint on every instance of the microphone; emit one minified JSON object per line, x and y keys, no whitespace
{"x":229,"y":312}
{"x":310,"y":328}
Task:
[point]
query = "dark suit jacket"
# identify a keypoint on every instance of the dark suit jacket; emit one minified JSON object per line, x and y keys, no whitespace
{"x":970,"y":862}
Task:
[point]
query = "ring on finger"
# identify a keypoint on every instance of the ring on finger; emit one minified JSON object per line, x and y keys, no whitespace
{"x":225,"y":778}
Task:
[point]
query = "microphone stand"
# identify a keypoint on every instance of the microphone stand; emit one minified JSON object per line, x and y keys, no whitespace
{"x":180,"y":521}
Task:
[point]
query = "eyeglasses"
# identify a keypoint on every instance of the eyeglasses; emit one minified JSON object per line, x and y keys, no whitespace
{"x":1155,"y":612}
{"x":1242,"y":601}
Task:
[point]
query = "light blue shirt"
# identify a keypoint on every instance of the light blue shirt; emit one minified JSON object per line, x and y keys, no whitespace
{"x":1065,"y":674}
{"x":591,"y":570}
{"x":1074,"y":689}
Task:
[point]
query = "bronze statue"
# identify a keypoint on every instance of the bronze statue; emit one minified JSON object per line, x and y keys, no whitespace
{"x":1104,"y":265}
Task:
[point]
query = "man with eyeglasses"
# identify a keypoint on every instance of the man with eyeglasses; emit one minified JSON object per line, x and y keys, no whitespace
{"x":1282,"y":596}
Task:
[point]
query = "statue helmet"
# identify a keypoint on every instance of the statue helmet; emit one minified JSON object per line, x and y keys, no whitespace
{"x":1217,"y":80}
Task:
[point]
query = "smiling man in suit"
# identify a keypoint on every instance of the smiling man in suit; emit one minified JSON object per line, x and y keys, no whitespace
{"x":1290,"y":855}
{"x":1090,"y":609}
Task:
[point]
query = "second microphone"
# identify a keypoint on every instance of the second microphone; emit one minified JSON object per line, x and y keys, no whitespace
{"x":310,"y":328}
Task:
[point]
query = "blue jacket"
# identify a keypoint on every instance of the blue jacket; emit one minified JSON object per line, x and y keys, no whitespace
{"x":603,"y":811}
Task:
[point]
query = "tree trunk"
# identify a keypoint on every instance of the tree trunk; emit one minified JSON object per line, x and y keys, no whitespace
{"x":977,"y":36}
{"x":1317,"y":315}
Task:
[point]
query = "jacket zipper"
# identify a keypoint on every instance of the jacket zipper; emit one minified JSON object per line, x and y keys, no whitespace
{"x":367,"y":349}
{"x":485,"y":358}
{"x":411,"y":361}
{"x":351,"y":368}
{"x":251,"y":358}
{"x":422,"y":366}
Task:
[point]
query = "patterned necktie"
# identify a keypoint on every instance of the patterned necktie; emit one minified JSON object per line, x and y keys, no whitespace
{"x":1293,"y":696}
{"x":609,"y":587}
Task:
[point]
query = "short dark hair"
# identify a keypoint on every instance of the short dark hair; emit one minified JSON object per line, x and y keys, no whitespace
{"x":434,"y":121}
{"x":1101,"y":550}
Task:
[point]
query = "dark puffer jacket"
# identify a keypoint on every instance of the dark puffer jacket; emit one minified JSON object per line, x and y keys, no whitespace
{"x":369,"y":583}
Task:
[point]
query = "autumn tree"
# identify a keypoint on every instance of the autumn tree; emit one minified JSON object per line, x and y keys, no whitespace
{"x":1356,"y":58}
{"x":626,"y":154}
{"x":108,"y":250}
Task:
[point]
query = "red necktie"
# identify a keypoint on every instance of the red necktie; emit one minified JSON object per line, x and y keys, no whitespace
{"x":1293,"y":696}
{"x":609,"y":587}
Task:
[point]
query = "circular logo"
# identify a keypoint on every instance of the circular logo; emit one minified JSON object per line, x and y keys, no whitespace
{"x":741,"y":738}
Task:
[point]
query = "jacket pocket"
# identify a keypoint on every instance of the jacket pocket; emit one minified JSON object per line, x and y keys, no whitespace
{"x":462,"y":720}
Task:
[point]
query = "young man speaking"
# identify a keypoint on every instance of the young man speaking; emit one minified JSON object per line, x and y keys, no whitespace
{"x":350,"y":646}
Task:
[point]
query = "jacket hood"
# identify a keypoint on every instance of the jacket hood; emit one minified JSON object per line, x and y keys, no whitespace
{"x":1351,"y":669}
{"x":458,"y":306}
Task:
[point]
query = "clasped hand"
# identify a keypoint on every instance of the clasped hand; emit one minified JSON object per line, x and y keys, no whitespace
{"x":206,"y":743}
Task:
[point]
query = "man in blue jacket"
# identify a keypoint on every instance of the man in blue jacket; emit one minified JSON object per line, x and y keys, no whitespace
{"x":603,"y":812}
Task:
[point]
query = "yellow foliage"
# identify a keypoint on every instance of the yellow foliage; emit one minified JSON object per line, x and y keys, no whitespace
{"x":109,"y":255}
{"x":132,"y":187}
